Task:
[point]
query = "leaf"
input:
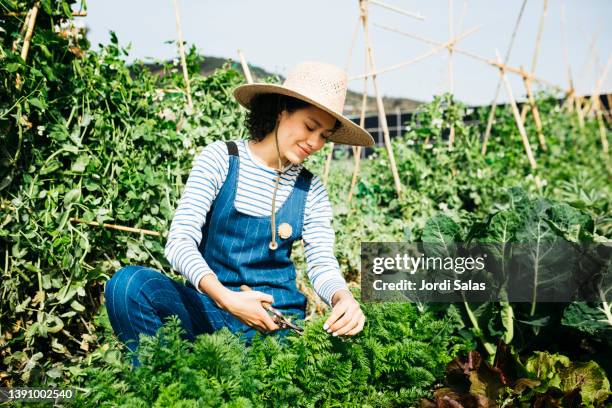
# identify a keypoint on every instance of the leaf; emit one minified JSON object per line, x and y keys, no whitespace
{"x":66,"y":9}
{"x":77,"y":306}
{"x":440,"y":235}
{"x":573,"y":224}
{"x":590,"y":319}
{"x":56,"y":327}
{"x":13,"y":66}
{"x":50,"y":167}
{"x":66,"y":293}
{"x":21,"y":306}
{"x":441,"y":229}
{"x":590,"y":379}
{"x":38,"y":103}
{"x":547,"y":367}
{"x":55,"y":372}
{"x":72,"y":197}
{"x":17,"y":252}
{"x":80,"y":164}
{"x":63,"y":221}
{"x":57,"y":346}
{"x":507,"y":318}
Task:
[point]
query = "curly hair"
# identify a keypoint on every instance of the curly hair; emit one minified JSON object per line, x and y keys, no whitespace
{"x":264,"y":110}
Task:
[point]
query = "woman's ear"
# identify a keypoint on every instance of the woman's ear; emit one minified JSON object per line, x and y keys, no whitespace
{"x":281,"y":116}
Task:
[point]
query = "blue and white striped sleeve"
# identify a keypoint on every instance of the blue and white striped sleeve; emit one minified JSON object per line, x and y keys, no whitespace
{"x":319,"y":237}
{"x":203,"y":184}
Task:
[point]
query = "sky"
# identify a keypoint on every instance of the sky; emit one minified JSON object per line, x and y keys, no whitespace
{"x":277,"y":35}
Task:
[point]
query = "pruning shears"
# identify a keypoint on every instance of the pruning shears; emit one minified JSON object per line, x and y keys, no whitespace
{"x":277,"y":316}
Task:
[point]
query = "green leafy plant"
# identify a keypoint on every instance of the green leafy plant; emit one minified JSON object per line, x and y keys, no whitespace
{"x":541,"y":379}
{"x":399,"y":355}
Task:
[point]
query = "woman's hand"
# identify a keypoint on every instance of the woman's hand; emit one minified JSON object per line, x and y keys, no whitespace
{"x":247,"y":306}
{"x":346,"y":317}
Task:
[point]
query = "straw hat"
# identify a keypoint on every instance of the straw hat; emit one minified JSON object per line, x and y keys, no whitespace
{"x":320,"y":84}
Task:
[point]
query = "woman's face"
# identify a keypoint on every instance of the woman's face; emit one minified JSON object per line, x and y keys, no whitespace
{"x":303,"y":132}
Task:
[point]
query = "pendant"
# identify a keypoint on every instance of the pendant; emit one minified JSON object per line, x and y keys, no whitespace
{"x":284,"y":230}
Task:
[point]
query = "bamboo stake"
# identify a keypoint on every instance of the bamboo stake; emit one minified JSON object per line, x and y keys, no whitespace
{"x":22,"y":30}
{"x":517,"y":116}
{"x":603,"y":134}
{"x":245,"y":67}
{"x":492,"y":62}
{"x":352,"y":46}
{"x":577,"y":103}
{"x":462,"y":16}
{"x":417,"y":16}
{"x":572,"y":89}
{"x":328,"y":160}
{"x":608,"y":111}
{"x":417,"y":59}
{"x":30,"y":30}
{"x":592,"y":58}
{"x":451,"y":137}
{"x":536,"y":52}
{"x":494,"y":104}
{"x":381,"y":109}
{"x":536,"y":114}
{"x":182,"y":53}
{"x":357,"y":155}
{"x":597,"y":90}
{"x":330,"y":155}
{"x":117,"y":227}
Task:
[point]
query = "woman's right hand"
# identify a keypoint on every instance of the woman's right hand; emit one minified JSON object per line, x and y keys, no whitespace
{"x":248,"y":307}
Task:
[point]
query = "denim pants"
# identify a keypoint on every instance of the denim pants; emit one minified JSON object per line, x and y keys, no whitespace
{"x":138,"y":299}
{"x":236,"y":247}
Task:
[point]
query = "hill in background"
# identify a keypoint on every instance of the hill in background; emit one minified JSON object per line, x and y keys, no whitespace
{"x":353,"y":99}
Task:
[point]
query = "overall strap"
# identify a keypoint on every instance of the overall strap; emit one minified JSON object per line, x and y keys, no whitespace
{"x":232,"y":149}
{"x":304,"y":179}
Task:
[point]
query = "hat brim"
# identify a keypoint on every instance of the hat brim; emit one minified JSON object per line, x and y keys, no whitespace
{"x":349,"y":133}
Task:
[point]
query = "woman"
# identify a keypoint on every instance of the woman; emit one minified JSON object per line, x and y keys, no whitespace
{"x":244,"y":204}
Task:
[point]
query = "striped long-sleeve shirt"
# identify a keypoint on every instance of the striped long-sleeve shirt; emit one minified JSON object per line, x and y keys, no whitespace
{"x":254,"y":197}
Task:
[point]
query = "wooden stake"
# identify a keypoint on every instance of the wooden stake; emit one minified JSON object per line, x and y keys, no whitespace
{"x":357,"y":155}
{"x":462,"y":16}
{"x":451,"y":137}
{"x":603,"y":134}
{"x":117,"y":227}
{"x":381,"y":109}
{"x":572,"y":89}
{"x":417,"y":16}
{"x":30,"y":30}
{"x":417,"y":59}
{"x":328,"y":160}
{"x":22,"y":31}
{"x":608,"y":111}
{"x":245,"y":68}
{"x":182,"y":53}
{"x":330,"y":155}
{"x":494,"y":103}
{"x":596,"y":91}
{"x":508,"y":68}
{"x":592,"y":58}
{"x":517,"y":117}
{"x":536,"y":52}
{"x":536,"y":114}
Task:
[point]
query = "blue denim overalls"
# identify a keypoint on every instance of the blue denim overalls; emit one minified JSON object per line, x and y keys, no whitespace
{"x":235,"y":246}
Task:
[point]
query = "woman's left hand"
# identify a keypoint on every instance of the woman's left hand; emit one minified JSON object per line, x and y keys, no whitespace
{"x":346,"y":317}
